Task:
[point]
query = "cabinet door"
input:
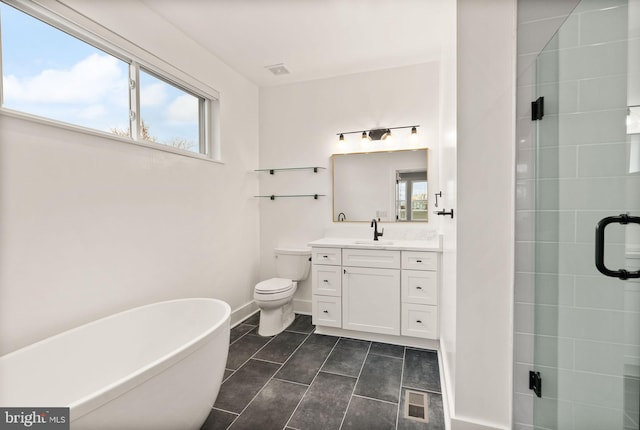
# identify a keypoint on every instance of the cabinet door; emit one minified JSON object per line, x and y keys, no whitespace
{"x":419,"y":260}
{"x":330,"y":256}
{"x":371,"y":300}
{"x":420,"y":286}
{"x":326,"y":311}
{"x":326,"y":280}
{"x":420,"y":320}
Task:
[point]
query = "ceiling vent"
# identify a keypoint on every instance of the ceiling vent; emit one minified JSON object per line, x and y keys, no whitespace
{"x":278,"y":69}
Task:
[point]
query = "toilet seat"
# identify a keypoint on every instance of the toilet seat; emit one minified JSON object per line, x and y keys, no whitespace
{"x":274,"y":286}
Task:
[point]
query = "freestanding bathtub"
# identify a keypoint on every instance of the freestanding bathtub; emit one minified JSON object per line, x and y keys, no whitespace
{"x":158,"y":366}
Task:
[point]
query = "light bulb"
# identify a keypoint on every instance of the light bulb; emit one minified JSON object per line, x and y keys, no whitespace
{"x":341,"y":138}
{"x":365,"y":138}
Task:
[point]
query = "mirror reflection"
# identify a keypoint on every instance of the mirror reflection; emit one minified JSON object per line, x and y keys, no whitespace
{"x":392,"y":186}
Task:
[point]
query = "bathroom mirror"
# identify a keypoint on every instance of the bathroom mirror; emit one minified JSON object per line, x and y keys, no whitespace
{"x":392,"y":186}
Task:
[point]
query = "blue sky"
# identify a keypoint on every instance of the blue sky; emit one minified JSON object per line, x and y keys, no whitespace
{"x":51,"y":74}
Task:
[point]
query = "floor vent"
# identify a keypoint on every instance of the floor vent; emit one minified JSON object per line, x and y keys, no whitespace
{"x":415,"y":406}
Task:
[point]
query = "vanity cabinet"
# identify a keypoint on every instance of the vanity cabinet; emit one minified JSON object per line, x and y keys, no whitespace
{"x":390,"y":292}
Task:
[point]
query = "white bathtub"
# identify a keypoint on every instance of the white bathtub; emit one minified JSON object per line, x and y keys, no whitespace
{"x":158,"y":366}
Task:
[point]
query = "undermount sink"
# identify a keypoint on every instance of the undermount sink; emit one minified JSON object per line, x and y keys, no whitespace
{"x":374,"y":242}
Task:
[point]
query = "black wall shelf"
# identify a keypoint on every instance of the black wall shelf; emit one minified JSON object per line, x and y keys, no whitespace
{"x":273,"y":171}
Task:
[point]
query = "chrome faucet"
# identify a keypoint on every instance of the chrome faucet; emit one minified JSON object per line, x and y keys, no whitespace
{"x":374,"y":224}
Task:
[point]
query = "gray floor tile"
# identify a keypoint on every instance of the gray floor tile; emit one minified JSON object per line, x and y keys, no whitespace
{"x":238,"y":331}
{"x":271,"y":409}
{"x":253,"y":319}
{"x":218,"y":420}
{"x":237,"y":391}
{"x":324,"y":405}
{"x":436,"y":414}
{"x":301,"y":324}
{"x":243,"y":349}
{"x":347,"y":357}
{"x":421,"y":370}
{"x":281,"y":347}
{"x":380,"y":378}
{"x":304,"y":364}
{"x":370,"y":415}
{"x":227,"y":373}
{"x":388,"y":349}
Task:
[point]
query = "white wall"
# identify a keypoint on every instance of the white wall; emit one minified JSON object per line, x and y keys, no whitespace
{"x":90,"y":226}
{"x":449,"y":186}
{"x":298,"y":126}
{"x":485,"y":227}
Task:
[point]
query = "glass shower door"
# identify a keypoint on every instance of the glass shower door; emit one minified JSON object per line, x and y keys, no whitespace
{"x":587,"y":295}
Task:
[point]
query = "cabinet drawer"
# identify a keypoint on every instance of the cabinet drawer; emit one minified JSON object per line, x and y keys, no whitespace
{"x":420,"y":320}
{"x":330,"y":256}
{"x":327,"y":311}
{"x":382,"y":258}
{"x":419,"y":286}
{"x":326,"y":280}
{"x":416,"y":260}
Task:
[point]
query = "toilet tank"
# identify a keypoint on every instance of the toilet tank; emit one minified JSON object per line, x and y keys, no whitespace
{"x":293,"y":263}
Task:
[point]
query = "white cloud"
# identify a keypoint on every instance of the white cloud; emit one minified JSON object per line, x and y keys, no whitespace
{"x":183,"y":109}
{"x":93,"y":112}
{"x":87,"y":81}
{"x":153,"y":94}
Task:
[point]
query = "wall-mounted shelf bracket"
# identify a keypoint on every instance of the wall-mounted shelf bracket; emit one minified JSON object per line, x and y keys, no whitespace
{"x":273,"y":171}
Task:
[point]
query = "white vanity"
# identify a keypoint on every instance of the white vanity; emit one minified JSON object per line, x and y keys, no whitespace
{"x":385,"y":291}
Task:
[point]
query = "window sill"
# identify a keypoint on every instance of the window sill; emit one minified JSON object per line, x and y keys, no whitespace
{"x":103,"y":134}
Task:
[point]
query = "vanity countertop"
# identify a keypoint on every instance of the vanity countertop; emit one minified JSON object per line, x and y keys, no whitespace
{"x":434,"y":245}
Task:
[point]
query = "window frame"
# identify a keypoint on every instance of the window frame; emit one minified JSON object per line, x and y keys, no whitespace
{"x":69,"y":21}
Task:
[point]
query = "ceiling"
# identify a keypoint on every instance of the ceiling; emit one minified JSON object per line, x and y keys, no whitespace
{"x":313,"y":38}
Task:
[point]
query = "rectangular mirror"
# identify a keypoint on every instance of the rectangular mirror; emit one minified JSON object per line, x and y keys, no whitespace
{"x":392,"y":186}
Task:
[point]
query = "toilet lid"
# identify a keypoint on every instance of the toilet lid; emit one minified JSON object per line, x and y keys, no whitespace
{"x":274,"y":285}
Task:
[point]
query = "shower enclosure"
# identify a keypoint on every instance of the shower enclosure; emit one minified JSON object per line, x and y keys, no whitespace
{"x":586,"y":372}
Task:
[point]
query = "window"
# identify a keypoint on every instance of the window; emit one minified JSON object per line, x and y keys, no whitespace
{"x":54,"y":74}
{"x":411,"y":192}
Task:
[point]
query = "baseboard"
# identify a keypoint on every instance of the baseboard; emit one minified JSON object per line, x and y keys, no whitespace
{"x":447,"y":386}
{"x":468,"y":424}
{"x":243,"y":312}
{"x":302,"y":306}
{"x":376,"y":337}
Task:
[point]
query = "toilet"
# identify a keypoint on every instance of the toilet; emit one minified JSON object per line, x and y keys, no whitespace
{"x":274,"y":296}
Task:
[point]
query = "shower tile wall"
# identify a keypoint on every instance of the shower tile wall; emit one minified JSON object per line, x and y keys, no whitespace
{"x":582,"y":125}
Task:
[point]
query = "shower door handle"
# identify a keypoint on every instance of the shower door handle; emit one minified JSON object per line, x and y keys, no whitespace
{"x":600,"y":227}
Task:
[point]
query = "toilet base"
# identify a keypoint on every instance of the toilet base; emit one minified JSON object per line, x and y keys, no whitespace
{"x":275,"y":320}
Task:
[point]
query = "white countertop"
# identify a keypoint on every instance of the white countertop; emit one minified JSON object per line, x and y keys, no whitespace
{"x":434,"y":245}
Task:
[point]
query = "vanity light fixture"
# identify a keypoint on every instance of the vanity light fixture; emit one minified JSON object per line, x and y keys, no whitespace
{"x":379,"y":133}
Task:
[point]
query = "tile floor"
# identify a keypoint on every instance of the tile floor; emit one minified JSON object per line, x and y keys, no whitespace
{"x":298,"y":380}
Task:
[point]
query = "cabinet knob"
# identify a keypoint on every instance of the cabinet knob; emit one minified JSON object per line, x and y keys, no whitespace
{"x":418,"y":287}
{"x":326,"y":311}
{"x":325,"y":280}
{"x":419,"y":322}
{"x":418,"y":261}
{"x":325,"y":256}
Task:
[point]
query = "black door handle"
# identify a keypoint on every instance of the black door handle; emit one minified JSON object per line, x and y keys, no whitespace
{"x":600,"y":227}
